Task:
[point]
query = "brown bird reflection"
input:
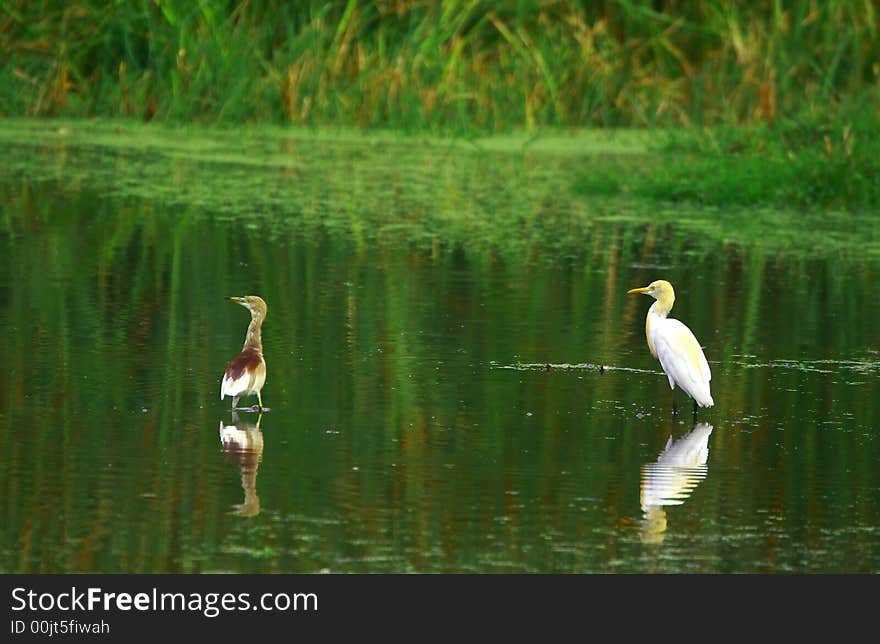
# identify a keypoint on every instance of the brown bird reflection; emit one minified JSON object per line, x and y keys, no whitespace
{"x":243,"y":443}
{"x":672,"y":477}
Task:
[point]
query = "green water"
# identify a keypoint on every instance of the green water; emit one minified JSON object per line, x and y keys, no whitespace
{"x":417,"y":293}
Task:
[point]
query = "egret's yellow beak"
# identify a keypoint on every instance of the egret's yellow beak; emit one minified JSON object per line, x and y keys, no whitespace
{"x":641,"y":289}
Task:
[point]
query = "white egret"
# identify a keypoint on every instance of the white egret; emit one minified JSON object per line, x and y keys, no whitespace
{"x":675,"y":346}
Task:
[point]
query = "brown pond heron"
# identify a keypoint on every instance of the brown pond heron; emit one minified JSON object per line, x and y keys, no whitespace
{"x":245,"y":374}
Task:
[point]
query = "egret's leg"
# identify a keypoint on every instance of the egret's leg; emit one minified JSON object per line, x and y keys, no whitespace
{"x":695,"y":410}
{"x":260,"y":400}
{"x":674,"y":406}
{"x":235,"y":401}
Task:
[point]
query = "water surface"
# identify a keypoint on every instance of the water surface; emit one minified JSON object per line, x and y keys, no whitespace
{"x":438,"y":317}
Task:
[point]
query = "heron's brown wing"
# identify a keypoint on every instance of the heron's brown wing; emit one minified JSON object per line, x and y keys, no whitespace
{"x":247,"y":360}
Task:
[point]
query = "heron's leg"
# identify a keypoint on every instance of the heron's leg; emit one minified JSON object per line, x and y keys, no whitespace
{"x":235,"y":402}
{"x":260,"y":400}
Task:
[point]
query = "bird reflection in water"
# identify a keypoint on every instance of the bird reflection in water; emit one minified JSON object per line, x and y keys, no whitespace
{"x":672,"y":477}
{"x":243,"y":443}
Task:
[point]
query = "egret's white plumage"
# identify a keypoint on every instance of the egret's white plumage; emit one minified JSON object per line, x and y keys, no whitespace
{"x":675,"y":346}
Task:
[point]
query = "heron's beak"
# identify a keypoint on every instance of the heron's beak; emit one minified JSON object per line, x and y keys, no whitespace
{"x":642,"y":290}
{"x":239,"y":300}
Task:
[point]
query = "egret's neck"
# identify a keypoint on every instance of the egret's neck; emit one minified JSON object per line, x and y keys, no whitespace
{"x":662,"y":306}
{"x":253,"y":339}
{"x":658,"y":311}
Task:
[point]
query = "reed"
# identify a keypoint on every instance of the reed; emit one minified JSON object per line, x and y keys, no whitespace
{"x":455,"y":65}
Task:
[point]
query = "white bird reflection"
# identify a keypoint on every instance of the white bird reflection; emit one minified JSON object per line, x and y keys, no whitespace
{"x":243,"y":443}
{"x":672,"y":477}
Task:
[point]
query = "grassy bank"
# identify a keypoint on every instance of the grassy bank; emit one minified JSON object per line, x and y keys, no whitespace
{"x":808,"y":164}
{"x":511,"y":197}
{"x":460,"y":65}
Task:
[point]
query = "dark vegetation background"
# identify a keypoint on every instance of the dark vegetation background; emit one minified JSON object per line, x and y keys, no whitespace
{"x":770,"y":102}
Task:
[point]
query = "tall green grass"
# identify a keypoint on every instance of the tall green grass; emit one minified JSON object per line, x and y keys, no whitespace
{"x":461,"y":65}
